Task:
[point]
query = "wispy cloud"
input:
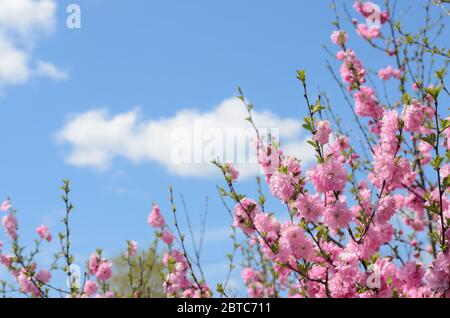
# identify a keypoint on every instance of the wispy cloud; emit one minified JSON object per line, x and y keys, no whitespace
{"x":184,"y":143}
{"x":47,"y":69}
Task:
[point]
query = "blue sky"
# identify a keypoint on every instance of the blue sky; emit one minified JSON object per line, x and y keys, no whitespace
{"x":163,"y":57}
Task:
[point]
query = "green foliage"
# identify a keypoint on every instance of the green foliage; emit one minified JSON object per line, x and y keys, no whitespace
{"x":145,"y":277}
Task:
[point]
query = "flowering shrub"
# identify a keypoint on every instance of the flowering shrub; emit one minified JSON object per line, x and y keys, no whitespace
{"x":369,"y":219}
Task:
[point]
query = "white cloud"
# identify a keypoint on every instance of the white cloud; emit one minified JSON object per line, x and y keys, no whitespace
{"x":13,"y":63}
{"x":184,"y":144}
{"x":47,"y":69}
{"x":22,"y":23}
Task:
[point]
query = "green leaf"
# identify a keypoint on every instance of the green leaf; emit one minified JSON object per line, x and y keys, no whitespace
{"x":436,"y":162}
{"x":446,"y":182}
{"x":434,"y":91}
{"x":409,"y":39}
{"x":441,"y":73}
{"x":430,"y":139}
{"x":312,"y":143}
{"x":307,"y":124}
{"x":406,"y":99}
{"x":317,"y":107}
{"x":445,"y":123}
{"x":301,"y":76}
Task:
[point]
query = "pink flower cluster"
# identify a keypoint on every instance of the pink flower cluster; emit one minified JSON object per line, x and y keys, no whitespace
{"x":368,"y":9}
{"x":101,"y":268}
{"x":323,"y":132}
{"x":439,"y":276}
{"x":44,"y":233}
{"x":328,"y":176}
{"x":352,"y":70}
{"x":390,"y":172}
{"x":244,"y":213}
{"x":414,"y":116}
{"x":366,"y":104}
{"x":9,"y":222}
{"x":155,"y":219}
{"x":367,"y":32}
{"x":386,"y":73}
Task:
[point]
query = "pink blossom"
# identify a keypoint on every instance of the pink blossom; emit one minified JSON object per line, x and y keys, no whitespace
{"x":155,"y":219}
{"x":178,"y":258}
{"x":269,"y":159}
{"x":425,"y":152}
{"x":132,"y":247}
{"x":328,"y":176}
{"x":249,"y":275}
{"x":90,"y":288}
{"x":366,"y":8}
{"x":244,"y":212}
{"x":352,"y":70}
{"x":366,"y":103}
{"x":6,"y":260}
{"x":369,"y":9}
{"x":342,"y":284}
{"x":438,"y":276}
{"x":167,"y":237}
{"x":93,"y":263}
{"x":337,"y":215}
{"x":6,"y":205}
{"x":389,"y":172}
{"x":231,"y":171}
{"x":413,"y":115}
{"x":386,"y":73}
{"x":385,"y":209}
{"x":267,"y":224}
{"x":26,"y":285}
{"x":44,"y":233}
{"x":340,"y":55}
{"x":397,"y":73}
{"x":43,"y":276}
{"x":281,"y":186}
{"x":104,"y":271}
{"x":294,"y":242}
{"x":323,"y":132}
{"x":293,"y":166}
{"x":175,"y":282}
{"x":368,"y":33}
{"x":447,"y":136}
{"x":10,"y":224}
{"x":339,"y":37}
{"x":308,"y":206}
